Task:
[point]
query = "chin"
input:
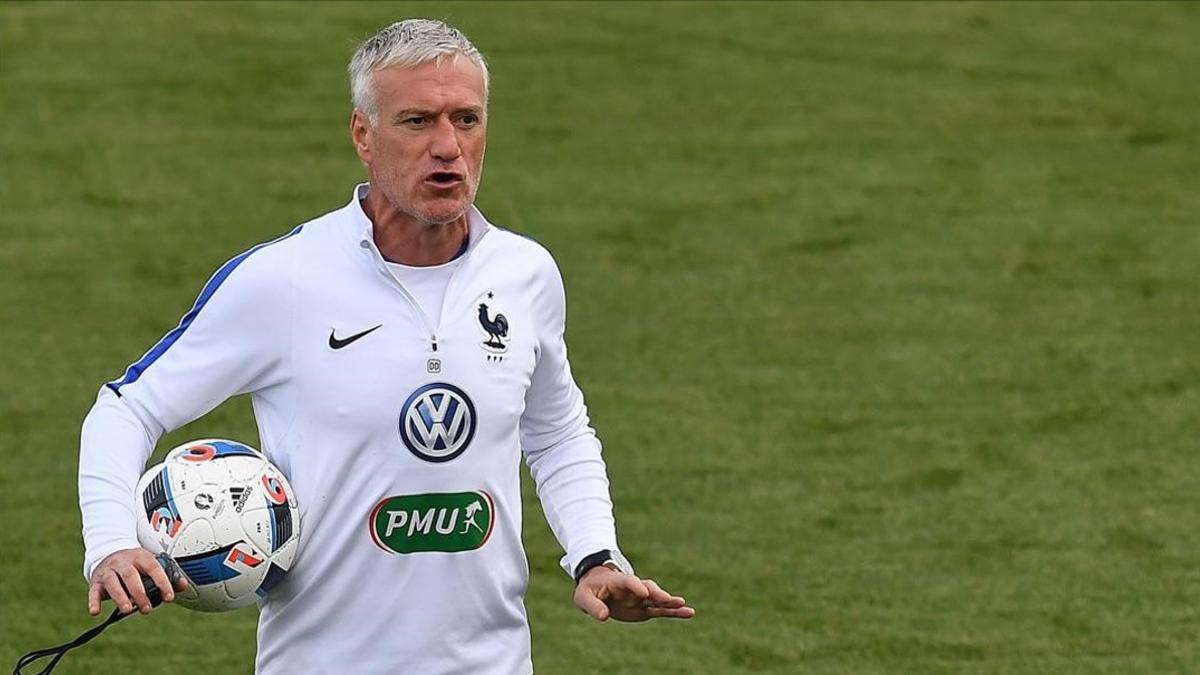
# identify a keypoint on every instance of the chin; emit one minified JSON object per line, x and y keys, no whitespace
{"x":441,"y":217}
{"x":445,"y":212}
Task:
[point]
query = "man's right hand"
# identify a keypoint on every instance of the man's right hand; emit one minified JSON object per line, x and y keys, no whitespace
{"x":119,"y":577}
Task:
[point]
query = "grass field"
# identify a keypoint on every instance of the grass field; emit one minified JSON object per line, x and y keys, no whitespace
{"x":888,"y":314}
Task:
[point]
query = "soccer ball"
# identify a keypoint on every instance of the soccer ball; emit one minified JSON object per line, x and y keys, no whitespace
{"x":225,"y":515}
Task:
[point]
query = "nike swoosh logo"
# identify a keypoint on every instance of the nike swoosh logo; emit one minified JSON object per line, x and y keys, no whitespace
{"x":337,"y":343}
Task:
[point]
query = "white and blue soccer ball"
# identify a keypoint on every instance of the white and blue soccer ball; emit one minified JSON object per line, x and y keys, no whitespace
{"x":227,"y":517}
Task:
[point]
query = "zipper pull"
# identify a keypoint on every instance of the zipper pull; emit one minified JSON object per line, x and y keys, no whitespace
{"x":433,"y":341}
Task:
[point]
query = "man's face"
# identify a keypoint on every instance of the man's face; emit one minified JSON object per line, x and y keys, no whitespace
{"x":425,"y":149}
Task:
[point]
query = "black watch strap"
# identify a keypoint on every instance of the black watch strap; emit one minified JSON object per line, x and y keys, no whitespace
{"x":594,"y":560}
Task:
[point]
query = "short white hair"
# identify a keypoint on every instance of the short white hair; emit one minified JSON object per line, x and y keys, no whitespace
{"x":406,"y":44}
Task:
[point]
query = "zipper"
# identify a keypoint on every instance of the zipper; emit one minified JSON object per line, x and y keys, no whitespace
{"x":381,"y":265}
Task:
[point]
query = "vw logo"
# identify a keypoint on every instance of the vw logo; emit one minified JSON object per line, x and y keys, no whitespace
{"x":437,"y":422}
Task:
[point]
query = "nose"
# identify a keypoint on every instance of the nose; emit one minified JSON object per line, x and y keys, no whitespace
{"x":445,"y":145}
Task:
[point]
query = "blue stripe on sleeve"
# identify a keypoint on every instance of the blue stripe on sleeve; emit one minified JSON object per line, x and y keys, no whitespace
{"x":135,"y":371}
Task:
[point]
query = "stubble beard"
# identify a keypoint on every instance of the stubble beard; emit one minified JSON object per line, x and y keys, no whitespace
{"x":426,"y":218}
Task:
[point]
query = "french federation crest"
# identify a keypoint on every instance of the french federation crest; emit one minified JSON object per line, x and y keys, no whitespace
{"x":437,"y":422}
{"x":494,"y":325}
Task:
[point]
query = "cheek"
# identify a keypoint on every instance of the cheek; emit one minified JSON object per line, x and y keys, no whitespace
{"x":475,"y":151}
{"x":394,"y":160}
{"x":391,"y":147}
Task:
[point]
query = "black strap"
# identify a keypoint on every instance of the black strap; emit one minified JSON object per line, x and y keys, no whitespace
{"x":153,"y":594}
{"x":59,"y":651}
{"x":594,"y":560}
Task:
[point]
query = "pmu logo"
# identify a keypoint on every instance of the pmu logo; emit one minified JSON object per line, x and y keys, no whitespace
{"x":437,"y":422}
{"x":444,"y":522}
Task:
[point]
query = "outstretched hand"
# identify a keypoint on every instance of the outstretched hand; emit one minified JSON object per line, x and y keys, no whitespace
{"x":604,"y":593}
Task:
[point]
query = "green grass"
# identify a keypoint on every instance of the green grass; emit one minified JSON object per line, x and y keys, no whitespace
{"x":887,"y":314}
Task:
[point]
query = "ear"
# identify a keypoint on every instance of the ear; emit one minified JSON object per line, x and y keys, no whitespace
{"x":361,"y":135}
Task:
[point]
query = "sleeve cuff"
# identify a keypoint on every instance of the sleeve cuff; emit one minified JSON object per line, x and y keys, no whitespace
{"x":95,"y":557}
{"x":571,"y":560}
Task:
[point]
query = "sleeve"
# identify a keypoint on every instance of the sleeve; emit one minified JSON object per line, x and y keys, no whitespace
{"x":561,"y":448}
{"x":234,"y":340}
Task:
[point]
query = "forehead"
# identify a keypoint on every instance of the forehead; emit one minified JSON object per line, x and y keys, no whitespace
{"x":451,"y":83}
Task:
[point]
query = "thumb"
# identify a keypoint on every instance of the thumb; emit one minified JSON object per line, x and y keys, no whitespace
{"x":591,"y":605}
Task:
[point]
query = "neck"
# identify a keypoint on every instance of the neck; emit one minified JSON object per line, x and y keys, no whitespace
{"x":403,"y":239}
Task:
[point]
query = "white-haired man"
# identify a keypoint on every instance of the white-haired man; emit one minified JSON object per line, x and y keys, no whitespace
{"x":403,"y":354}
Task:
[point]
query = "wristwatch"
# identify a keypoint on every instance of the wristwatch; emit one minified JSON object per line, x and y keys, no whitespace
{"x":608,"y":557}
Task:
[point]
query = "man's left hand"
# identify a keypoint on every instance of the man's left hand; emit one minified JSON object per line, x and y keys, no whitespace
{"x":605,"y":592}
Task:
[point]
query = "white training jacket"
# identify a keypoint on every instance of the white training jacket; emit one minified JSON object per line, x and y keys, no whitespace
{"x":401,"y":439}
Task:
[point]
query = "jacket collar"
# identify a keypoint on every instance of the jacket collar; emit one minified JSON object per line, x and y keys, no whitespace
{"x":477,"y":224}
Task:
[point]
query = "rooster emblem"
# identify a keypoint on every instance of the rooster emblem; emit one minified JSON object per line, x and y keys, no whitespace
{"x":496,"y":329}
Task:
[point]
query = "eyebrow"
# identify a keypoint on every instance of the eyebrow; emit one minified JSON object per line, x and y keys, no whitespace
{"x":404,"y":114}
{"x":411,"y":112}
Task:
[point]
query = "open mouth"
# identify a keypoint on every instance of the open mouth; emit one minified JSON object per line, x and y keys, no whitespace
{"x":444,"y":179}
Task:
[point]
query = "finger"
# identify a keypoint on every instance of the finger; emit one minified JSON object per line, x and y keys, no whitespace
{"x":592,"y":606}
{"x":669,"y":603}
{"x":660,"y":597}
{"x":156,"y":572}
{"x":112,"y":584}
{"x":670,"y":612}
{"x":133,"y":584}
{"x":657,"y":594}
{"x":633,"y":585}
{"x":94,"y":597}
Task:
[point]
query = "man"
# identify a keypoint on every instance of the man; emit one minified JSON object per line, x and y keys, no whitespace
{"x":399,"y":350}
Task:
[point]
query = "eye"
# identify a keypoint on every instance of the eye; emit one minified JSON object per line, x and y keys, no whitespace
{"x":468,"y":119}
{"x":416,"y":121}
